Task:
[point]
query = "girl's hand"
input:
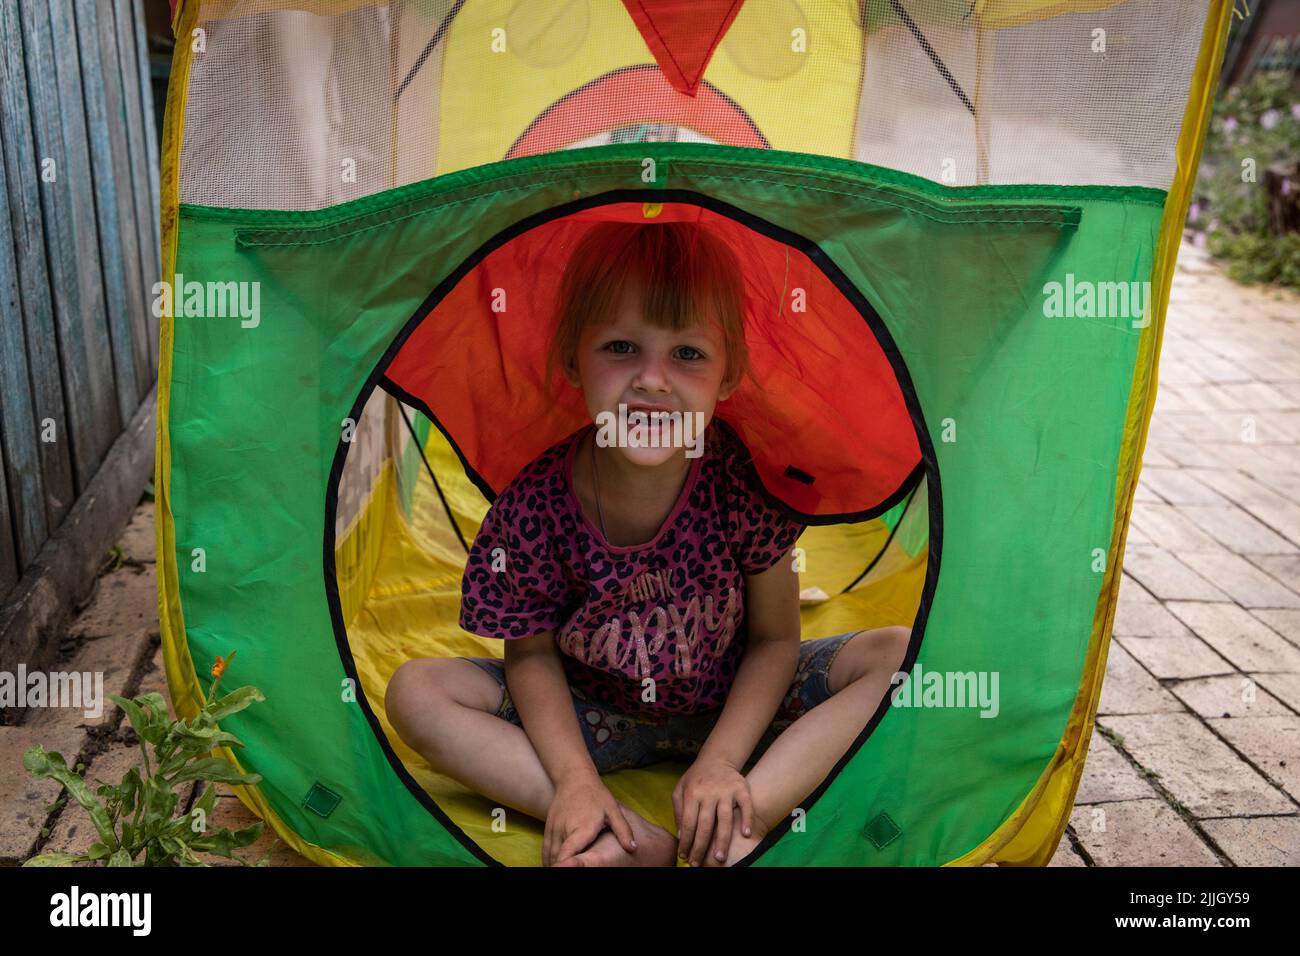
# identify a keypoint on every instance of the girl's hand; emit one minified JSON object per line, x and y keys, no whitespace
{"x":703,"y":801}
{"x":577,"y":815}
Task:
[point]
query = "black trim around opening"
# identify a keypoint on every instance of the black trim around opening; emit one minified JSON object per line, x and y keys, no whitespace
{"x":928,"y":465}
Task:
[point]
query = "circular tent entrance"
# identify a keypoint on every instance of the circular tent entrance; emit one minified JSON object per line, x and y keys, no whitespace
{"x":835,"y":432}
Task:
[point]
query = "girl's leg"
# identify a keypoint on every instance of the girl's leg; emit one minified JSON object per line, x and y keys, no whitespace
{"x":445,"y":710}
{"x":802,"y":756}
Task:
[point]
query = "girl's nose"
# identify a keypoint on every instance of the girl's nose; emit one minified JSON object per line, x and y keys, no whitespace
{"x":652,"y":372}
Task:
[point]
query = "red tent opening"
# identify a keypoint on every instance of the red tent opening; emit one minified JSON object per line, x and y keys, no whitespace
{"x":831,"y":433}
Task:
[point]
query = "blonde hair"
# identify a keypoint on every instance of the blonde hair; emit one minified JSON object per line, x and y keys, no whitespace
{"x":686,"y":275}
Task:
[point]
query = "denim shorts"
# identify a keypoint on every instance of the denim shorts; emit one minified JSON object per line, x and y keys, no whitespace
{"x":618,"y":741}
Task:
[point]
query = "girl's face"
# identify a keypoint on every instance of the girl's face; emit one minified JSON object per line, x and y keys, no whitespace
{"x":628,"y":360}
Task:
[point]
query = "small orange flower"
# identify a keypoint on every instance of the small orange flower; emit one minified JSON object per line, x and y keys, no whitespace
{"x":219,"y":667}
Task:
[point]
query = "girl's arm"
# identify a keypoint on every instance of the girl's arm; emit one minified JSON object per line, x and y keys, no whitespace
{"x":581,"y":805}
{"x":541,"y":693}
{"x":766,"y":670}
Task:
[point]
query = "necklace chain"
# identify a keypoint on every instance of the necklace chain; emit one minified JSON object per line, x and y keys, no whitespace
{"x":595,"y":481}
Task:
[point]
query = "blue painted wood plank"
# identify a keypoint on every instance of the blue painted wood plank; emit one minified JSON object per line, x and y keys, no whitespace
{"x":17,"y":153}
{"x":71,"y":243}
{"x":141,"y":159}
{"x":110,"y":166}
{"x":8,"y":559}
{"x":18,"y":426}
{"x":151,"y":151}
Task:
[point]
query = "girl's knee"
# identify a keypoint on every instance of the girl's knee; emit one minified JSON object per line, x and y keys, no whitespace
{"x":399,"y":690}
{"x":878,"y":649}
{"x":412,"y":684}
{"x":897,"y":638}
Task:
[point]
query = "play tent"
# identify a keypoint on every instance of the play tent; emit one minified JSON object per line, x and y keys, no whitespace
{"x":957,"y":221}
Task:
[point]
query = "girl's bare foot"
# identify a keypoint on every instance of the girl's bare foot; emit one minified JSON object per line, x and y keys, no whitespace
{"x":655,"y":846}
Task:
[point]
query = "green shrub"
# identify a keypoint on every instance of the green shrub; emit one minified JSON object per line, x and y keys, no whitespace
{"x":1258,"y":121}
{"x":135,"y":818}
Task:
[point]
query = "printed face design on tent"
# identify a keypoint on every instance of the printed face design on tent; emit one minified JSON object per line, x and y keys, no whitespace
{"x":925,"y":172}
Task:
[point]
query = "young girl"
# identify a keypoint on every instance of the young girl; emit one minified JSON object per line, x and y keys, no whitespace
{"x":649,"y":590}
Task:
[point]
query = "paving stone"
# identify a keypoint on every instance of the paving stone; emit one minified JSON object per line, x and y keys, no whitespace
{"x":1227,"y":427}
{"x":1139,"y":833}
{"x":1175,"y":372}
{"x":1136,"y":536}
{"x":1166,"y":526}
{"x":1161,"y":431}
{"x":115,"y":658}
{"x":1179,"y":486}
{"x":1271,"y":743}
{"x":1146,"y":619}
{"x":1247,"y":642}
{"x":1129,"y":689}
{"x":1283,"y":518}
{"x":1173,"y":398}
{"x":137,"y":540}
{"x":1279,"y":456}
{"x":1232,"y":696}
{"x":1153,"y":457}
{"x":1233,"y":485}
{"x":1284,"y":481}
{"x":1143,"y":494}
{"x":1280,"y":373}
{"x":24,"y":798}
{"x":1257,"y":841}
{"x":1108,"y":776}
{"x":1285,"y":687}
{"x":154,"y":680}
{"x":1204,"y":397}
{"x":1192,"y":454}
{"x":1196,"y":767}
{"x":1065,"y":854}
{"x":1175,"y":657}
{"x":125,"y":604}
{"x":1240,"y":579}
{"x":1237,"y":530}
{"x":1281,"y":567}
{"x":1286,"y":621}
{"x":1216,"y":370}
{"x":1256,"y":396}
{"x":1168,"y":578}
{"x":1288,"y":422}
{"x":1131,"y":591}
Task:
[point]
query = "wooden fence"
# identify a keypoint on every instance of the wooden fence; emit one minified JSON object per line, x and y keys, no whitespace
{"x":78,"y":255}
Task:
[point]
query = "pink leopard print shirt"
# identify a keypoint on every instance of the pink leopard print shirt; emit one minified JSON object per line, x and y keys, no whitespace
{"x":672,"y":609}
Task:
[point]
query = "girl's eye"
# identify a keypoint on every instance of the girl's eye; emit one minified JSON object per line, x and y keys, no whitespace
{"x":696,"y":353}
{"x":615,"y":345}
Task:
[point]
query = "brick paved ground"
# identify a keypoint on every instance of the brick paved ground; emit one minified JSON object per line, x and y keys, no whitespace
{"x":1196,"y":755}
